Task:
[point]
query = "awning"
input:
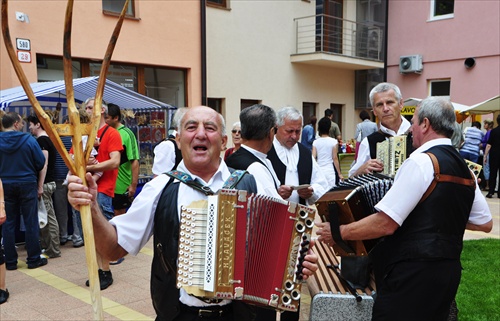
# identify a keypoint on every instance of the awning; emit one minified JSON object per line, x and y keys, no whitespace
{"x":50,"y":93}
{"x":486,"y":107}
{"x":413,"y":102}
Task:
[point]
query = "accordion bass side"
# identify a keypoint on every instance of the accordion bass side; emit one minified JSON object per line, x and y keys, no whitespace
{"x":240,"y":247}
{"x":351,"y":201}
{"x":392,"y":152}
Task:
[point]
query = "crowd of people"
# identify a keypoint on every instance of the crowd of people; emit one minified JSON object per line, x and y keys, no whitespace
{"x":274,"y":162}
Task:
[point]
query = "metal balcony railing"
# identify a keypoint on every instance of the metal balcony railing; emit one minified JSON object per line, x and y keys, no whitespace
{"x":328,"y":34}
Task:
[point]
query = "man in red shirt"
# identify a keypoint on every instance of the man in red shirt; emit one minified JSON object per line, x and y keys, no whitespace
{"x":109,"y":147}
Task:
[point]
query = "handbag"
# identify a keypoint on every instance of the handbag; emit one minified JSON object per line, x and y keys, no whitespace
{"x":42,"y":213}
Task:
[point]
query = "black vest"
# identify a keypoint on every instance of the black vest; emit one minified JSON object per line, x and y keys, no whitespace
{"x":164,"y":292}
{"x":304,"y":166}
{"x":178,"y":155}
{"x":373,"y":139}
{"x":242,"y":159}
{"x":434,"y":229}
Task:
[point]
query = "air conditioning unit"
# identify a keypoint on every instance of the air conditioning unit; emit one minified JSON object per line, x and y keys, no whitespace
{"x":410,"y":64}
{"x":375,"y":39}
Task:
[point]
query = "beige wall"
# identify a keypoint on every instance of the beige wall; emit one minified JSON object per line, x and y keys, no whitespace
{"x":248,"y":55}
{"x":166,"y":34}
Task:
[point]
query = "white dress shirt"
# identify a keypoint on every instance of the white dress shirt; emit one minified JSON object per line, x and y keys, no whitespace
{"x":412,"y":180}
{"x":265,"y":177}
{"x":164,"y":156}
{"x":290,"y":157}
{"x":364,"y":147}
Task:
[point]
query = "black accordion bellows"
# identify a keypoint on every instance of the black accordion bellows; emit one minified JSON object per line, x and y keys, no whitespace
{"x":350,"y":201}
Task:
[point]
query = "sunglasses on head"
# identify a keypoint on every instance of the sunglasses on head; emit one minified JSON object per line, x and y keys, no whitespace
{"x":234,"y":131}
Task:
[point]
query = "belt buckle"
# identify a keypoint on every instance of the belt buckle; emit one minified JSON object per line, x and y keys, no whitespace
{"x":209,"y":313}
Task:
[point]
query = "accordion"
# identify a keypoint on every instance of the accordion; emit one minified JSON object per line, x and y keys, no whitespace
{"x":244,"y":247}
{"x":392,"y":152}
{"x":354,"y":199}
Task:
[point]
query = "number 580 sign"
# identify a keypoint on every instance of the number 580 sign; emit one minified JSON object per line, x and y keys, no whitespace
{"x":24,"y":49}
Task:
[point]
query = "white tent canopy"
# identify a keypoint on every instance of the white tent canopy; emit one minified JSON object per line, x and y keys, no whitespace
{"x":488,"y":106}
{"x":414,"y":102}
{"x":52,"y":92}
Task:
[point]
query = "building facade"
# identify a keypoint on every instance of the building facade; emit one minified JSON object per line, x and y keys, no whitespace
{"x":458,"y":43}
{"x":304,"y":54}
{"x":151,"y":57}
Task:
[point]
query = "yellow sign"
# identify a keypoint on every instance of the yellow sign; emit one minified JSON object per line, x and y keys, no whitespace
{"x":408,"y":110}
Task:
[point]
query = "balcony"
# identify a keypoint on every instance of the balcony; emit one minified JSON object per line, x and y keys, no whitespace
{"x":338,"y":43}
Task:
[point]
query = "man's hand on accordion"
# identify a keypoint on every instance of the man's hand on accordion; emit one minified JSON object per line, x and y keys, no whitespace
{"x":324,"y":233}
{"x":373,"y":165}
{"x":310,"y":264}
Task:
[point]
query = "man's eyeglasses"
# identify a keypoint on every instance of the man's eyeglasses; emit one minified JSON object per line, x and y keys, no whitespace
{"x":234,"y":131}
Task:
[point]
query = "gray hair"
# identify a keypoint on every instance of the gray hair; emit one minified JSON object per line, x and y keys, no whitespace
{"x":222,"y":123}
{"x":177,"y":117}
{"x":457,"y":139}
{"x":289,"y":113}
{"x":440,"y":113}
{"x":104,"y":106}
{"x":237,"y":124}
{"x":382,"y":88}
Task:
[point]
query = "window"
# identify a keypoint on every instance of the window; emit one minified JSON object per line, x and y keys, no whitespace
{"x":442,"y":9}
{"x":116,"y":6}
{"x":337,"y":114}
{"x":218,"y":3}
{"x":215,"y":104}
{"x":365,"y":80}
{"x":247,"y":103}
{"x":165,"y":85}
{"x":308,"y":110}
{"x":120,"y":74}
{"x":440,"y":88}
{"x":51,"y":69}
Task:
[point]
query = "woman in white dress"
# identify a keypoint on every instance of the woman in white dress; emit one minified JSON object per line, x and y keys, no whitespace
{"x":325,"y":151}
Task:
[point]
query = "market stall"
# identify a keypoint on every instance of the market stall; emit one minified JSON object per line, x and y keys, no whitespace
{"x":149,"y":119}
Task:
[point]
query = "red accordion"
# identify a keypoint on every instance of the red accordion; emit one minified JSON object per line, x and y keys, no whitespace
{"x":250,"y":248}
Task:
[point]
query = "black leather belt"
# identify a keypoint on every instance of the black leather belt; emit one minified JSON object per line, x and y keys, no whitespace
{"x":215,"y":311}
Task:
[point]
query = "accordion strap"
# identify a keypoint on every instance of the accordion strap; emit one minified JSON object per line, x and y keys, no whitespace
{"x":333,"y":210}
{"x":185,"y":178}
{"x":234,"y":179}
{"x":189,"y":181}
{"x":439,"y":178}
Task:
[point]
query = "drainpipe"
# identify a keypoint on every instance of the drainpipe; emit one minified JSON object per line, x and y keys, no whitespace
{"x":203,"y":20}
{"x":386,"y":37}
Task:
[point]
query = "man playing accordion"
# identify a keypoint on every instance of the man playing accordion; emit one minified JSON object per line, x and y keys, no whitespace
{"x":387,"y":102}
{"x":201,"y":138}
{"x":422,"y":219}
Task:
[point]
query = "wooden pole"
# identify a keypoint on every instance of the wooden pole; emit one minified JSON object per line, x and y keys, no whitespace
{"x":75,"y":130}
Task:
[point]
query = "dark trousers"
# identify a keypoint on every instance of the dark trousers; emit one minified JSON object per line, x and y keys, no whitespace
{"x":194,"y":314}
{"x":21,"y":199}
{"x":417,"y":290}
{"x":494,"y":167}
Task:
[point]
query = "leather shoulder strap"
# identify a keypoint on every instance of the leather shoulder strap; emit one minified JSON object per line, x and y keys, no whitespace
{"x":438,"y":178}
